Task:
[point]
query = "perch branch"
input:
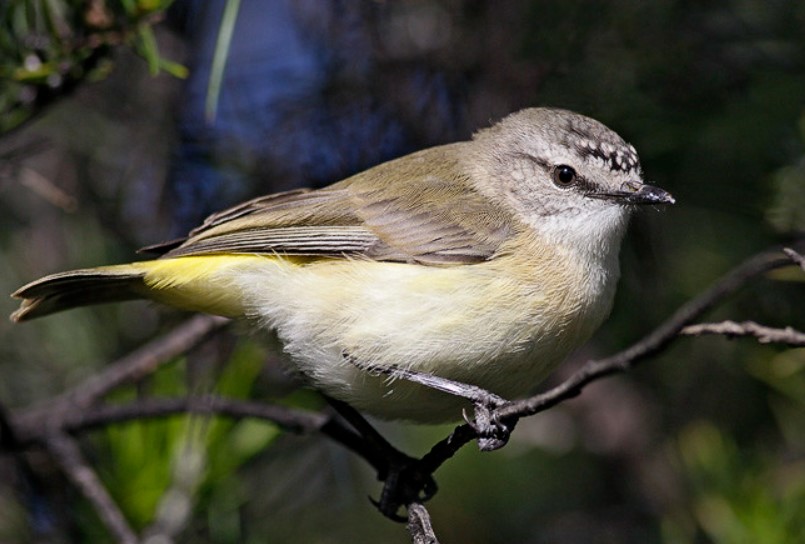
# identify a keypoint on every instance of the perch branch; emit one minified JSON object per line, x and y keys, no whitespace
{"x":764,"y":335}
{"x":419,"y":526}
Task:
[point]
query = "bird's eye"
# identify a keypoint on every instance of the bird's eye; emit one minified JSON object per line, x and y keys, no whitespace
{"x":564,"y":175}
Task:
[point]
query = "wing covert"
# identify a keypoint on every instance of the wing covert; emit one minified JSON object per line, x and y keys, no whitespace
{"x":413,"y":209}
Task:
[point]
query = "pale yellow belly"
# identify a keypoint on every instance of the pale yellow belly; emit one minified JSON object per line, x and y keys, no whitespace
{"x":499,"y":324}
{"x":476,"y":324}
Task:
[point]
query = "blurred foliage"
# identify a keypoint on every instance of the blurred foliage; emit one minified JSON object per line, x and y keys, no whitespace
{"x":184,"y":462}
{"x":705,"y":444}
{"x":787,"y":211}
{"x":738,"y":496}
{"x":47,"y":47}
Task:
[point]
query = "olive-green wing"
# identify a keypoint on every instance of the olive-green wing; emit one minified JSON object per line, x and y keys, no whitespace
{"x":417,"y":208}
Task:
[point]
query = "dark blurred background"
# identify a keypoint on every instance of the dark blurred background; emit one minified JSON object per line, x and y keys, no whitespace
{"x":125,"y":123}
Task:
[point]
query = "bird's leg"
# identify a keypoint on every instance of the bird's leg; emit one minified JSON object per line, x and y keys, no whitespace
{"x":492,"y":432}
{"x":403,"y":480}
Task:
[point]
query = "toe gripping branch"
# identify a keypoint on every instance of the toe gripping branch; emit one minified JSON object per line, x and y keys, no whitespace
{"x":492,"y":432}
{"x":408,"y":480}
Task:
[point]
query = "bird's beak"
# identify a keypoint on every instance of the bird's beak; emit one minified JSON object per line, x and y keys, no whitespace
{"x":636,"y":193}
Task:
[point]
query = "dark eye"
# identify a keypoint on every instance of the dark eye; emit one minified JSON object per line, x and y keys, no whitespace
{"x":563,"y":175}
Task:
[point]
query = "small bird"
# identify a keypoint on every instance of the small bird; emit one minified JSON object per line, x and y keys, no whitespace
{"x":485,"y":262}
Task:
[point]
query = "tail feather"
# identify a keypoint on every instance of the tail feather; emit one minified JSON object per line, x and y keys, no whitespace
{"x":77,"y":288}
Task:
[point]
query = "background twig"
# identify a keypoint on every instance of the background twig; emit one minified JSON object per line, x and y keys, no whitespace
{"x":29,"y":431}
{"x":795,"y":256}
{"x":134,"y":366}
{"x":67,"y":454}
{"x":764,"y":335}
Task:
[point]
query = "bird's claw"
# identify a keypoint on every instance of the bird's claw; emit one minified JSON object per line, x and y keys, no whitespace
{"x":404,"y":484}
{"x":493,"y":433}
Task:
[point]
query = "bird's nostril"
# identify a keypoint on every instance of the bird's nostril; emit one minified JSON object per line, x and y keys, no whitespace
{"x":632,"y":186}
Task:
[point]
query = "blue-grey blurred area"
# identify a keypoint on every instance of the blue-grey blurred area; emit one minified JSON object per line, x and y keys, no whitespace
{"x":311,"y":93}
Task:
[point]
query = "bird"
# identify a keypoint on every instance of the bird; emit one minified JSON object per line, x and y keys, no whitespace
{"x":485,"y":261}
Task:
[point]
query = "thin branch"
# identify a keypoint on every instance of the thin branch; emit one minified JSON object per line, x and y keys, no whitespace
{"x":289,"y":419}
{"x":29,"y":484}
{"x":128,"y":369}
{"x":419,"y":526}
{"x":67,"y":454}
{"x":404,"y":482}
{"x":28,"y":431}
{"x":374,"y":448}
{"x":447,"y":448}
{"x":764,"y":335}
{"x":796,"y":257}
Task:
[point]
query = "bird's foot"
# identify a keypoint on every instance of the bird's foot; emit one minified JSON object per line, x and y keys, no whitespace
{"x":493,"y":433}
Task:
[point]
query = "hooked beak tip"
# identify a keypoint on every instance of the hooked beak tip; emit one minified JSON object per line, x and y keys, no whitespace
{"x":649,"y":194}
{"x":644,"y":194}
